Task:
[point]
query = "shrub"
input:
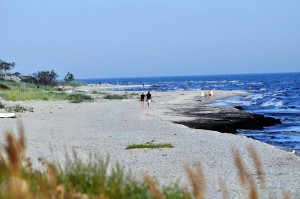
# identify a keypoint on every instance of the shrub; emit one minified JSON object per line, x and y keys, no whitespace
{"x":46,"y":77}
{"x":4,"y":87}
{"x":114,"y":97}
{"x":79,"y":97}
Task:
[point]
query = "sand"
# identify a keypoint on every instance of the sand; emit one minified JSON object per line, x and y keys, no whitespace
{"x":108,"y":127}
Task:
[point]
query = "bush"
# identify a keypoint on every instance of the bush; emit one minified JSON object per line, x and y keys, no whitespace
{"x":79,"y":97}
{"x":46,"y":77}
{"x":4,"y":87}
{"x":114,"y":97}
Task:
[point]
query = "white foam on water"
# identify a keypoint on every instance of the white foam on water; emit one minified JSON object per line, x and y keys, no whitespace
{"x":255,"y":96}
{"x":272,"y":103}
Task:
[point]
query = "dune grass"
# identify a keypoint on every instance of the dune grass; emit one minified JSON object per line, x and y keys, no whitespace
{"x":32,"y":94}
{"x":96,"y":178}
{"x":79,"y":97}
{"x":115,"y":97}
{"x":4,"y":87}
{"x":149,"y":146}
{"x":20,"y":91}
{"x":73,"y":83}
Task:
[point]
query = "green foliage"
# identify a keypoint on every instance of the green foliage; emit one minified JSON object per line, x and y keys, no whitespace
{"x":21,"y":91}
{"x":5,"y":66}
{"x":149,"y":146}
{"x":79,"y":97}
{"x":46,"y":77}
{"x":31,"y":94}
{"x":115,"y":97}
{"x":4,"y":87}
{"x":29,"y":79}
{"x":73,"y":83}
{"x":16,"y":108}
{"x":69,"y":77}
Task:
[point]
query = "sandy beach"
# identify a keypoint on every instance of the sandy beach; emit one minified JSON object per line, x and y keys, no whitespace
{"x":109,"y":126}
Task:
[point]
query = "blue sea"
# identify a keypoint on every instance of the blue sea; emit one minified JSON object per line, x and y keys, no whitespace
{"x":276,"y":95}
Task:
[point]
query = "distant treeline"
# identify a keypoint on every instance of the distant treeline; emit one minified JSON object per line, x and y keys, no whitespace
{"x":40,"y":77}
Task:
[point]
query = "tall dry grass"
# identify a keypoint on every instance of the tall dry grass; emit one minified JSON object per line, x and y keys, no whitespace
{"x":93,"y":179}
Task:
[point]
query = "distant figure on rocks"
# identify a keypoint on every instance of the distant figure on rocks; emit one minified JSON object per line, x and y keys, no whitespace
{"x":142,"y":99}
{"x":206,"y":94}
{"x":202,"y":94}
{"x":149,"y":98}
{"x":210,"y":94}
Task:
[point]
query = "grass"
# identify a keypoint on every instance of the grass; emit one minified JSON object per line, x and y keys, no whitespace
{"x":32,"y":94}
{"x":73,"y":83}
{"x":79,"y":97}
{"x":149,"y":146}
{"x":115,"y":97}
{"x":17,"y":109}
{"x":4,"y":87}
{"x":96,"y":178}
{"x":20,"y":91}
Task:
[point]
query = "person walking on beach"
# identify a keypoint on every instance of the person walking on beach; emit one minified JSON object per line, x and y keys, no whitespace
{"x":142,"y":99}
{"x":149,"y":98}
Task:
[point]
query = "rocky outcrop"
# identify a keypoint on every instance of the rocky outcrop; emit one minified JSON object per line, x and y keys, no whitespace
{"x":224,"y":119}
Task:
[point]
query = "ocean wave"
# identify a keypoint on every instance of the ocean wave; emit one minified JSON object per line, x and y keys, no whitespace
{"x":272,"y":103}
{"x":255,"y":96}
{"x":240,"y":102}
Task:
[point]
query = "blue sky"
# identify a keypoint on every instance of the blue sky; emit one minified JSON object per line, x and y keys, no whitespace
{"x":138,"y":38}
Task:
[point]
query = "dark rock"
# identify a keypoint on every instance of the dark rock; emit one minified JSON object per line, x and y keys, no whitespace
{"x":239,"y":107}
{"x":224,"y":119}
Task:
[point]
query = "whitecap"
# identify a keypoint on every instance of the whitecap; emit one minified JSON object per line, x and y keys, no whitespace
{"x":272,"y":103}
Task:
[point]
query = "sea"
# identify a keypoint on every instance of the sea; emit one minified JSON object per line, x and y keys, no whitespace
{"x":276,"y":95}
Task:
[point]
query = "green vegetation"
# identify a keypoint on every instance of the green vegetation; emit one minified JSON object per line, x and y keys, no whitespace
{"x":69,"y":77}
{"x":4,"y":87}
{"x":115,"y":97}
{"x":17,"y":108}
{"x":149,"y":146}
{"x":79,"y":97}
{"x":73,"y":83}
{"x":21,"y":91}
{"x":5,"y":66}
{"x":31,"y":94}
{"x":98,"y":92}
{"x":46,"y":77}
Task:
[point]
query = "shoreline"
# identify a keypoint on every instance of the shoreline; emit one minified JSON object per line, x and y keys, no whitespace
{"x":108,"y":127}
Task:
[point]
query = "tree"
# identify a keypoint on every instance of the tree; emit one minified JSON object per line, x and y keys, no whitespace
{"x":46,"y":77}
{"x":69,"y":77}
{"x":5,"y":66}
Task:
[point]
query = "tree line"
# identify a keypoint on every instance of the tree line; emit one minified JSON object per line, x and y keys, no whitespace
{"x":40,"y":77}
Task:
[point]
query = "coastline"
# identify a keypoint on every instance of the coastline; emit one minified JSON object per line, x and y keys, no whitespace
{"x":108,"y":127}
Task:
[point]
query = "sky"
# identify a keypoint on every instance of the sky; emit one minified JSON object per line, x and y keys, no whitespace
{"x":143,"y":38}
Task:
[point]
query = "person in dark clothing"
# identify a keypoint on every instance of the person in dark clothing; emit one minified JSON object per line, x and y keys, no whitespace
{"x":149,"y":98}
{"x":142,"y":99}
